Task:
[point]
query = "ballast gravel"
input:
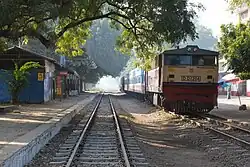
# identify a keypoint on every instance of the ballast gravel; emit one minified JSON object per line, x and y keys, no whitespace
{"x":167,"y":141}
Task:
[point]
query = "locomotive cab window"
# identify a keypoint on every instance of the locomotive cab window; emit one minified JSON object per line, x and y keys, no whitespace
{"x":177,"y":60}
{"x":204,"y":60}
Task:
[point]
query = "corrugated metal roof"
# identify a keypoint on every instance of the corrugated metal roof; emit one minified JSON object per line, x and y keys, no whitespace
{"x":25,"y":51}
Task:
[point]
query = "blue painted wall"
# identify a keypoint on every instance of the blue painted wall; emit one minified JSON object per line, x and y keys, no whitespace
{"x":32,"y":93}
{"x":136,"y":76}
{"x":4,"y":93}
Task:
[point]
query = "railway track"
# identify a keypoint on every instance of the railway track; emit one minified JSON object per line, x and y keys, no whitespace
{"x":221,"y":126}
{"x":98,"y":141}
{"x":229,"y":130}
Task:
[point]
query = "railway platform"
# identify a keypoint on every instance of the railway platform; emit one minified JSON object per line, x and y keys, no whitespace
{"x":25,"y":130}
{"x":229,"y":109}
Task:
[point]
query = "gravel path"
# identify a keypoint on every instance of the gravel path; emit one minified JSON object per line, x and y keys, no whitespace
{"x":167,"y":141}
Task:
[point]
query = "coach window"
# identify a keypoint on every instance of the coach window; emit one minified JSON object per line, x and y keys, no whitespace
{"x":177,"y":60}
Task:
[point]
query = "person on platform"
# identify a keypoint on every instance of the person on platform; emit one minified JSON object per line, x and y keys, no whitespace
{"x":229,"y":92}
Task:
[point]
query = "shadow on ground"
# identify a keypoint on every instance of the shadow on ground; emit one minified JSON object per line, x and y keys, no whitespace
{"x":165,"y":141}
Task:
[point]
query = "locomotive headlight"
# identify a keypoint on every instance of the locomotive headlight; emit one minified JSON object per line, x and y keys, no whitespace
{"x":209,"y":77}
{"x":171,"y":76}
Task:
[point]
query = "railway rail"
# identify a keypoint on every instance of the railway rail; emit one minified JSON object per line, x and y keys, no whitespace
{"x":97,"y":141}
{"x":229,"y":130}
{"x":222,"y":127}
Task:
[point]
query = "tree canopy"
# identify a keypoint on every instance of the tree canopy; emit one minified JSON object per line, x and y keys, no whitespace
{"x":99,"y":53}
{"x":234,"y":46}
{"x":66,"y":23}
{"x":85,"y":67}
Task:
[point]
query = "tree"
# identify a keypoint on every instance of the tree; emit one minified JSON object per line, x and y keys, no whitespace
{"x":18,"y":78}
{"x":234,"y":46}
{"x":101,"y":48}
{"x":85,"y":67}
{"x":145,"y":24}
{"x":94,"y":75}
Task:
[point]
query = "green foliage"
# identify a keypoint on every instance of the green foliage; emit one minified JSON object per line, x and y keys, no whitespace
{"x":3,"y":44}
{"x":94,"y":75}
{"x":234,"y":46}
{"x":131,"y":64}
{"x":85,"y":67}
{"x":244,"y":75}
{"x":17,"y":79}
{"x":72,"y":40}
{"x":146,"y":25}
{"x":234,"y":4}
{"x":101,"y":48}
{"x":134,"y":62}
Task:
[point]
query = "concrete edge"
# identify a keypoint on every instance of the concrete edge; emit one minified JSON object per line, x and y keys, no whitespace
{"x":237,"y":105}
{"x":9,"y":108}
{"x":21,"y":151}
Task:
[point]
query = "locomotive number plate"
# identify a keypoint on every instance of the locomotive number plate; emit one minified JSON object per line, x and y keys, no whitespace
{"x":190,"y":78}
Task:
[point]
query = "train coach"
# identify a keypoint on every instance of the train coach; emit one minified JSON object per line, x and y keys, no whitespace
{"x":182,"y":80}
{"x":133,"y":83}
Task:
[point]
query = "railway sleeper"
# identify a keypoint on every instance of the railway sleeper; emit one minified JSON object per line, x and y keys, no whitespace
{"x":99,"y":151}
{"x":100,"y":148}
{"x":108,"y":145}
{"x":101,"y":143}
{"x":99,"y":159}
{"x":67,"y":145}
{"x":99,"y":154}
{"x":134,"y":148}
{"x":57,"y":162}
{"x":60,"y":158}
{"x":96,"y":164}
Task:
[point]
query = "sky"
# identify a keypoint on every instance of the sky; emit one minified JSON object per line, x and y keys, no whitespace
{"x":216,"y":13}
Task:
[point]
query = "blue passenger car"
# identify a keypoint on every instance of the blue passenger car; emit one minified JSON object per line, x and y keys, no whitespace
{"x":136,"y":81}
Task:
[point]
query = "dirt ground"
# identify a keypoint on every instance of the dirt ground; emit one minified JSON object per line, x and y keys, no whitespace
{"x":165,"y":140}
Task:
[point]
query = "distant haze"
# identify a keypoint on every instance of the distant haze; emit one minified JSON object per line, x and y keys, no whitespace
{"x":108,"y":83}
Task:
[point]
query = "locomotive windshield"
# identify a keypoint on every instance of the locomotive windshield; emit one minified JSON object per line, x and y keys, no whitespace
{"x":204,"y":60}
{"x":178,"y":60}
{"x":192,"y":60}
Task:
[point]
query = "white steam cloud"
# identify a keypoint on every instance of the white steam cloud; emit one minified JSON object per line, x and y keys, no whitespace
{"x":108,"y":83}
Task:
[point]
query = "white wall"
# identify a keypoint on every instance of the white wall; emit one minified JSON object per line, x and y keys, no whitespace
{"x":48,"y":85}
